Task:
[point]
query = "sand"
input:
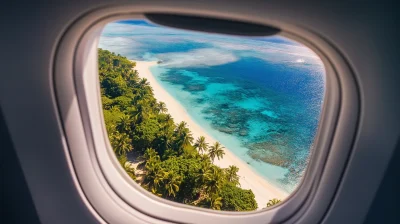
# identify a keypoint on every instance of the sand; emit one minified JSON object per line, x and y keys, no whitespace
{"x":249,"y":179}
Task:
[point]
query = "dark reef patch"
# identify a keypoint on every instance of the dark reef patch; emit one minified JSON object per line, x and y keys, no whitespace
{"x":194,"y":87}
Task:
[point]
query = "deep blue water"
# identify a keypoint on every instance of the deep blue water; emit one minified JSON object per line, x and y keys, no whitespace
{"x":260,"y":97}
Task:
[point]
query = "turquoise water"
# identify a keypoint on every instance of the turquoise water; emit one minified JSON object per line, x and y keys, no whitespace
{"x":260,"y":97}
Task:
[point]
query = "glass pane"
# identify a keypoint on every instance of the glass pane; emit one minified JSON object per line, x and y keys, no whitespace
{"x":213,"y":121}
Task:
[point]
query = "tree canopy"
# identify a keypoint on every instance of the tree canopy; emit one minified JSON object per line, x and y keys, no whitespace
{"x":237,"y":199}
{"x":273,"y":202}
{"x":173,"y":165}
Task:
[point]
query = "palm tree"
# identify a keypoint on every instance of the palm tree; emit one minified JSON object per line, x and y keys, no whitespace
{"x":143,"y":83}
{"x":201,"y":144}
{"x":181,"y":127}
{"x":169,"y":119}
{"x":216,"y":203}
{"x":121,"y":142}
{"x":231,"y":174}
{"x":205,"y":157}
{"x":214,"y":181}
{"x":162,"y":107}
{"x":154,"y":174}
{"x":152,"y":103}
{"x":142,"y":90}
{"x":141,"y":113}
{"x":204,"y":173}
{"x":183,"y":137}
{"x":156,"y":182}
{"x":171,"y":182}
{"x":140,"y":95}
{"x":124,"y":123}
{"x":186,"y":138}
{"x":152,"y":165}
{"x":148,"y":154}
{"x":216,"y":150}
{"x":132,"y":77}
{"x":165,"y":140}
{"x":273,"y":202}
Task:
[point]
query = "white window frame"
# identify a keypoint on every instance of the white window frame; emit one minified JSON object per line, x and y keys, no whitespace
{"x":117,"y":199}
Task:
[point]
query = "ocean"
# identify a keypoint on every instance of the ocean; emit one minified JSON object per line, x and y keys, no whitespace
{"x":260,"y":97}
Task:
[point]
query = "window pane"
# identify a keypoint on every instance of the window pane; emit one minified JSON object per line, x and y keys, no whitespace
{"x":213,"y":121}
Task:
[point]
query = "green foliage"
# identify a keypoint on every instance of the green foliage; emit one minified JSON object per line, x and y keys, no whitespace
{"x":173,"y":166}
{"x":231,"y":175}
{"x":237,"y":199}
{"x":145,"y":133}
{"x":120,"y":142}
{"x":162,"y":107}
{"x":216,"y":203}
{"x":216,"y":150}
{"x":171,"y":183}
{"x":111,"y":117}
{"x":214,"y":181}
{"x":187,"y":169}
{"x":201,"y":144}
{"x":273,"y":202}
{"x":123,"y":161}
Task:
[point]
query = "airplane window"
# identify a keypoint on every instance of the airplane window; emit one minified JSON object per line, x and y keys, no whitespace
{"x":213,"y":121}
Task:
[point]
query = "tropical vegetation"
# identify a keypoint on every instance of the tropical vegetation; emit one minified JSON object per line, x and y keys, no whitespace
{"x":170,"y":162}
{"x":273,"y":202}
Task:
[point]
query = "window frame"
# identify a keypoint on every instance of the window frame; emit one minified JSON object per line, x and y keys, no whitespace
{"x":109,"y":190}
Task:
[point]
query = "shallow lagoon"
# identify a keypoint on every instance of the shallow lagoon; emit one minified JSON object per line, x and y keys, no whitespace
{"x":261,"y":98}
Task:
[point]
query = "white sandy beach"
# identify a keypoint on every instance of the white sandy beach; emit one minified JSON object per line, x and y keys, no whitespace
{"x":262,"y":190}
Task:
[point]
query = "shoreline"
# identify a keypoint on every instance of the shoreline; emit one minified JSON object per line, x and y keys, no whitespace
{"x":249,"y":179}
